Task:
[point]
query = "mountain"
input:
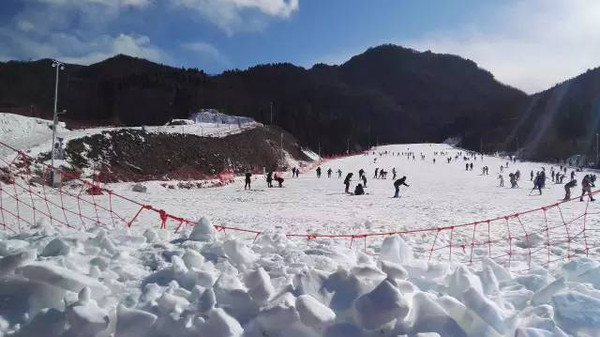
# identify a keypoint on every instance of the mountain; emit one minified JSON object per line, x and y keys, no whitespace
{"x":561,"y":121}
{"x":388,"y":93}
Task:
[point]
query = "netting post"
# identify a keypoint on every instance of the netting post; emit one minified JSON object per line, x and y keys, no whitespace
{"x":547,"y":229}
{"x":451,"y":238}
{"x":434,"y":241}
{"x":473,"y":242}
{"x":489,"y":239}
{"x":567,"y":231}
{"x":587,"y":248}
{"x":509,"y":242}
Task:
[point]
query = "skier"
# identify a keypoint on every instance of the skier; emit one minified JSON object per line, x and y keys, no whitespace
{"x":293,"y":172}
{"x":376,"y":173}
{"x":568,"y":187}
{"x":339,"y":172}
{"x":586,"y":186}
{"x":471,"y":167}
{"x":537,"y":183}
{"x":394,"y":173}
{"x":347,"y":181}
{"x":359,"y":190}
{"x":364,"y":180}
{"x":279,"y":180}
{"x":397,"y":184}
{"x":501,"y":178}
{"x":467,"y":166}
{"x":531,"y":176}
{"x":248,"y":180}
{"x":269,"y":179}
{"x":513,"y":180}
{"x":319,"y":172}
{"x":329,"y":171}
{"x":361,"y":173}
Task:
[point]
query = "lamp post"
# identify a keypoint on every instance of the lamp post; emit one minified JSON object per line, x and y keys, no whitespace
{"x":59,"y":66}
{"x":596,"y":149}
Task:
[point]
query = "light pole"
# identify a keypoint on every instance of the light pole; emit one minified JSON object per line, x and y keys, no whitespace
{"x":59,"y":66}
{"x":596,"y":150}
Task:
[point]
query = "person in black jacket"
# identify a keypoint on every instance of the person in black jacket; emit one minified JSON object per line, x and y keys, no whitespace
{"x":269,"y":179}
{"x":397,"y":184}
{"x":248,"y":180}
{"x":359,"y":190}
{"x":319,"y":172}
{"x":347,"y":181}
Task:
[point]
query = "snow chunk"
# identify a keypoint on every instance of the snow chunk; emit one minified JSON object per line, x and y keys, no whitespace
{"x":203,"y":231}
{"x":485,"y":308}
{"x":394,"y":249}
{"x":575,"y":311}
{"x":56,"y":247}
{"x":259,"y":284}
{"x":133,"y":322}
{"x":60,"y":277}
{"x":428,"y":316}
{"x":9,"y":263}
{"x":382,"y":305}
{"x":312,"y":312}
{"x":193,"y":259}
{"x":220,"y":324}
{"x":239,"y":254}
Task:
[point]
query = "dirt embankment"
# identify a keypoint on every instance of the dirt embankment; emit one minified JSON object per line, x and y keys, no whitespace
{"x":135,"y":155}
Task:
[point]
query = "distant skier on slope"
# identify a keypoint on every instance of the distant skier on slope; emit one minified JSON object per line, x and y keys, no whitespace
{"x":568,"y":187}
{"x":347,"y":181}
{"x":329,"y":171}
{"x":501,"y":178}
{"x":361,"y":173}
{"x":586,"y":187}
{"x":269,"y":179}
{"x":319,"y":172}
{"x":397,"y":184}
{"x":394,"y":173}
{"x":364,"y":180}
{"x":279,"y":180}
{"x":339,"y":173}
{"x":376,"y":173}
{"x":359,"y":190}
{"x":248,"y":180}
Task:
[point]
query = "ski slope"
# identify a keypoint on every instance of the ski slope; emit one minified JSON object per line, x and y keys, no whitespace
{"x":143,"y":281}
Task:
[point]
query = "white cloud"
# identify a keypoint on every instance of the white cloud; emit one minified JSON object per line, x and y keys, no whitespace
{"x":531,"y":45}
{"x":72,"y":49}
{"x":230,"y":15}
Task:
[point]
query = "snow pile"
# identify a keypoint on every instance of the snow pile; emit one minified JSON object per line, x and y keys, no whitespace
{"x":200,"y":283}
{"x":25,"y":132}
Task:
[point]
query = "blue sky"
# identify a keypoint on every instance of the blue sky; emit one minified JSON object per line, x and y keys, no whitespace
{"x":529,"y":44}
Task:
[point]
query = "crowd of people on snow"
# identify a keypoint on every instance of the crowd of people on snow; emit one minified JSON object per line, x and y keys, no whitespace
{"x":538,"y":178}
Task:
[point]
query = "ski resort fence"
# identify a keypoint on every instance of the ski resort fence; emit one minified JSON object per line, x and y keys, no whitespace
{"x":520,"y":240}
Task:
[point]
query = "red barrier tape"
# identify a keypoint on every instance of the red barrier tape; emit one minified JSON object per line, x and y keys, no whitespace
{"x":511,"y":238}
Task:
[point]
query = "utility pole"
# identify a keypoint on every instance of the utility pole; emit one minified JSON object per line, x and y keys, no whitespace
{"x":596,"y":149}
{"x":271,"y":113}
{"x":348,"y":148}
{"x":319,"y":149}
{"x":59,"y":66}
{"x":481,"y":145}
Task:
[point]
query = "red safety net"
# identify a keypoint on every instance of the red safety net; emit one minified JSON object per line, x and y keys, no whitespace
{"x":543,"y":235}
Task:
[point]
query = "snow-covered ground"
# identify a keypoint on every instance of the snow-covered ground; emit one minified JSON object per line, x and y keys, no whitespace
{"x":143,"y":281}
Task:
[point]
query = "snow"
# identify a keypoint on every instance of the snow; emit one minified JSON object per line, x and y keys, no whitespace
{"x":143,"y":281}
